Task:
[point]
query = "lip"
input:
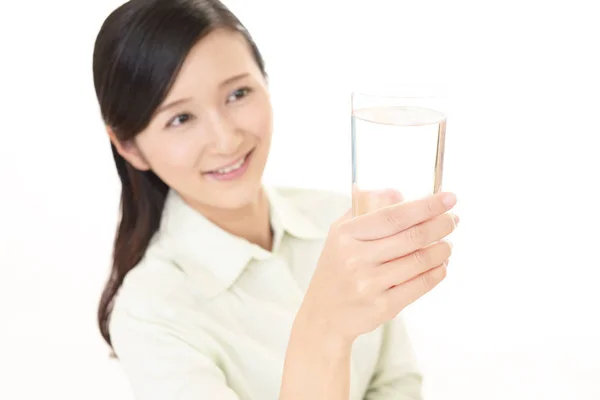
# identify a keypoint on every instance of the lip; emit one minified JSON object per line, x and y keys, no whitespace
{"x":214,"y":170}
{"x":234,"y":175}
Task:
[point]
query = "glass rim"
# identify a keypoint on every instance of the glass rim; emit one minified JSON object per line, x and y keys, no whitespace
{"x":407,"y":91}
{"x":392,"y":95}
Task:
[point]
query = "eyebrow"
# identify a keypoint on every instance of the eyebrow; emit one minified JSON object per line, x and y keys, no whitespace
{"x":165,"y":107}
{"x":233,"y":79}
{"x":227,"y":81}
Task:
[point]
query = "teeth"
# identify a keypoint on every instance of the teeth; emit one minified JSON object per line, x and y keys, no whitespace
{"x":232,"y":167}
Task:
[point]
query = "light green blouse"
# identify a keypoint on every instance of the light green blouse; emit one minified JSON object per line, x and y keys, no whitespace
{"x":207,"y":315}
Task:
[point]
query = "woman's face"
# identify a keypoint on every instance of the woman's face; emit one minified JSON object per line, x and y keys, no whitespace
{"x":210,"y":139}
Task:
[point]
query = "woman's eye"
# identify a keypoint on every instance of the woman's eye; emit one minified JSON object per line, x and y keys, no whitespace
{"x":238,"y":94}
{"x":180,"y":120}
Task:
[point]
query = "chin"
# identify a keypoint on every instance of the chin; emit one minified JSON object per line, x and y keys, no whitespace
{"x":231,"y":196}
{"x":208,"y":201}
{"x":239,"y":200}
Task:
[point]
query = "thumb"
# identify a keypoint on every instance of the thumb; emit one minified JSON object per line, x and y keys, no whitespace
{"x":347,"y":215}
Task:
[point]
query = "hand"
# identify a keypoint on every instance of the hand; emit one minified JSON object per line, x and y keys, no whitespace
{"x":374,"y":265}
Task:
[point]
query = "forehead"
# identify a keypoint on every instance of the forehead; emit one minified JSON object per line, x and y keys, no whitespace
{"x":218,"y":56}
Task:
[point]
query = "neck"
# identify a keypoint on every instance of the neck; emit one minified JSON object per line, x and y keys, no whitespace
{"x":251,"y":222}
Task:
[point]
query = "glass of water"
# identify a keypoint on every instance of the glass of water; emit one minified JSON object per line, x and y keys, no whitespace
{"x":397,"y":143}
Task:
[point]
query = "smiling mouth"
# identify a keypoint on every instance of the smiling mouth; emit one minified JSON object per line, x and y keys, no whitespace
{"x":231,"y":167}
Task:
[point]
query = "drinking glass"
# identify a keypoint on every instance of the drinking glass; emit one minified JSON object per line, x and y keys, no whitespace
{"x":397,"y":143}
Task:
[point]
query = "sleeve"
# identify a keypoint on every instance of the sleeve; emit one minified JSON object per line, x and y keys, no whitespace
{"x":159,"y":365}
{"x":396,"y":375}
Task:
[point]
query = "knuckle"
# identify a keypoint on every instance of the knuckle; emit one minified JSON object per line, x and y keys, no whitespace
{"x":421,"y":257}
{"x":392,"y":218}
{"x":432,"y":205}
{"x":425,"y":280}
{"x":353,"y":263}
{"x":415,"y":234}
{"x":431,"y":278}
{"x":363,"y":287}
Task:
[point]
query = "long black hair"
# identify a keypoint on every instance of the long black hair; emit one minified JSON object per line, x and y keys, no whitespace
{"x":138,"y":53}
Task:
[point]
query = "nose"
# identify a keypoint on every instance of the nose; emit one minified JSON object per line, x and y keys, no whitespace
{"x":223,"y":134}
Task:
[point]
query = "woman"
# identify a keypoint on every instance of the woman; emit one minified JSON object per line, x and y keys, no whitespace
{"x":222,"y":288}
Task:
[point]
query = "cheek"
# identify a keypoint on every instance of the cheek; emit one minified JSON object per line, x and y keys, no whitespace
{"x":181,"y":154}
{"x":256,"y":119}
{"x":171,"y":154}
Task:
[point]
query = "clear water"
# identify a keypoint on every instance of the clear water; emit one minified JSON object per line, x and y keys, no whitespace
{"x":399,"y":148}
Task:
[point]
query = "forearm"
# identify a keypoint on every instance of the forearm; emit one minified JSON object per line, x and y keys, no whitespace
{"x":317,"y":365}
{"x":397,"y":376}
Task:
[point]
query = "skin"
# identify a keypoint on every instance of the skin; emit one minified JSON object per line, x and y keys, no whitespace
{"x":218,"y":110}
{"x":371,"y":267}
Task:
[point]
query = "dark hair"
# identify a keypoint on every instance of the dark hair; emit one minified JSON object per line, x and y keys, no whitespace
{"x":138,"y":53}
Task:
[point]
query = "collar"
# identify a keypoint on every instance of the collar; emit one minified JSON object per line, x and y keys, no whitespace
{"x":215,"y":258}
{"x":288,"y":216}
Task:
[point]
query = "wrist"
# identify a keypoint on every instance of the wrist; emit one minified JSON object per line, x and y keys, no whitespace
{"x":317,"y":363}
{"x":316,"y":332}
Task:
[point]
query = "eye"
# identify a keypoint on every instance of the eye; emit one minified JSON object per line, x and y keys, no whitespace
{"x":239,"y":94}
{"x":179,"y":120}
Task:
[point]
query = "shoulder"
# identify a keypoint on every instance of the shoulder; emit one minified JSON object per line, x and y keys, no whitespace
{"x":321,"y":206}
{"x":154,"y":292}
{"x":158,"y":331}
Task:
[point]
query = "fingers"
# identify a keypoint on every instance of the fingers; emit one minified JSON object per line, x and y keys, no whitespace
{"x":398,"y":297}
{"x":365,"y":201}
{"x":413,"y":239}
{"x":386,"y":197}
{"x":403,"y":269}
{"x":390,"y":220}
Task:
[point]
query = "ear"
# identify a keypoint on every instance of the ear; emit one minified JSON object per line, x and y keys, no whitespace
{"x":129,"y":150}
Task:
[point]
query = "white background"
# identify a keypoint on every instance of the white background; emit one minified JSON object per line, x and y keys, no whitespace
{"x":517,"y":317}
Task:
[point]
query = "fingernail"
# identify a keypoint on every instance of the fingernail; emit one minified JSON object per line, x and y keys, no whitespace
{"x":449,"y":199}
{"x":456,"y":219}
